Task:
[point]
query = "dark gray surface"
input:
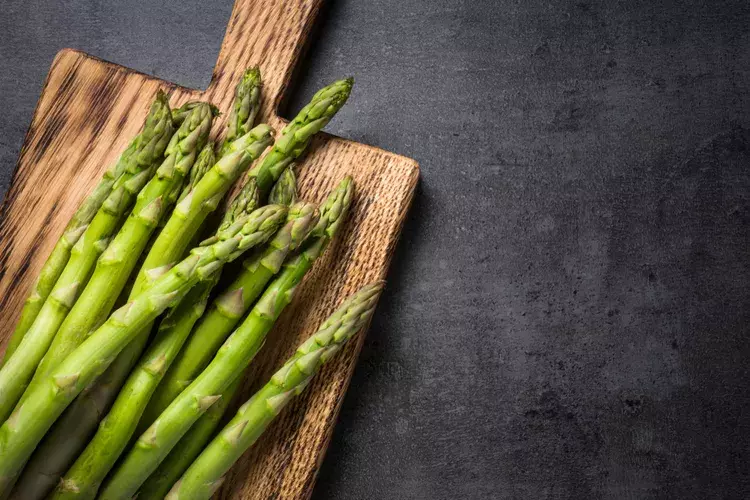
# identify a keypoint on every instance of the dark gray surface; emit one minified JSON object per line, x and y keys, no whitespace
{"x":567,"y":312}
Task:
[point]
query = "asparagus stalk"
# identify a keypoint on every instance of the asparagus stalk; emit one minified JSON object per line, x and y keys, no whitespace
{"x":83,"y":479}
{"x":31,"y":419}
{"x":72,"y":431}
{"x":245,"y":107}
{"x":231,"y":359}
{"x":17,"y":372}
{"x":296,"y":136}
{"x":230,"y":307}
{"x":117,"y":262}
{"x":60,"y":255}
{"x":284,"y":192}
{"x":159,"y":483}
{"x":205,"y":475}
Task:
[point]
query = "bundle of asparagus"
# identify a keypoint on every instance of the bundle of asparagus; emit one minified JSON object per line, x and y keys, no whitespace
{"x":209,"y":182}
{"x":72,"y":365}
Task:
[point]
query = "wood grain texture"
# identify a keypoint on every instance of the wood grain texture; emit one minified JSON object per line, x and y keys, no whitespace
{"x":88,"y":111}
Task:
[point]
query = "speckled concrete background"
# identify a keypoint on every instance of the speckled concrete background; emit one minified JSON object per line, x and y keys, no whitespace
{"x":567,"y":314}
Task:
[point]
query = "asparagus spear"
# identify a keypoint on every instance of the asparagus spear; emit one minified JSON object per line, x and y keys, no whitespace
{"x":245,"y":107}
{"x":60,"y":255}
{"x":188,"y":448}
{"x":231,"y":359}
{"x":16,"y":373}
{"x":83,"y":479}
{"x":117,"y":262}
{"x":296,"y":136}
{"x":230,"y":307}
{"x":72,"y":431}
{"x":284,"y":192}
{"x":205,"y":475}
{"x":31,"y":419}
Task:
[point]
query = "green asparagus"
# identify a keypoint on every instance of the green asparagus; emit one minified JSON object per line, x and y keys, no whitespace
{"x":184,"y":224}
{"x":188,"y":217}
{"x":31,"y":419}
{"x":202,"y":195}
{"x":296,"y":136}
{"x":231,"y":359}
{"x":188,"y":448}
{"x":72,"y":431}
{"x":191,"y":211}
{"x":17,"y":372}
{"x":83,"y":479}
{"x":230,"y":307}
{"x":205,"y":475}
{"x":116,"y":264}
{"x":60,"y":255}
{"x":245,"y":107}
{"x":284,"y":192}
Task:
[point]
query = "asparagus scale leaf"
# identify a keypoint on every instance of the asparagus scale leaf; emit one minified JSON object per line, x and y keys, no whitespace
{"x":33,"y":417}
{"x":19,"y":369}
{"x":206,"y":159}
{"x":205,"y":475}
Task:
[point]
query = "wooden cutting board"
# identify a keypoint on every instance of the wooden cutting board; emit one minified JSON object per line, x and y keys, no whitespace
{"x":86,"y":114}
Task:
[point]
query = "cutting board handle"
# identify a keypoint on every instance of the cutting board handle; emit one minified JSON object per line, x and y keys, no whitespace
{"x":269,"y":33}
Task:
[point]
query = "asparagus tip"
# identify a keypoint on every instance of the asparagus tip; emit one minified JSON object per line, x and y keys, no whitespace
{"x":251,"y":77}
